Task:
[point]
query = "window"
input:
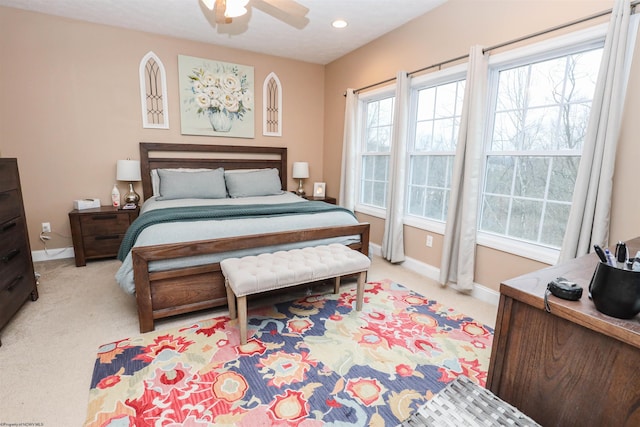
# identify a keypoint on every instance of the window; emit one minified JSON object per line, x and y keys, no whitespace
{"x":432,"y":149}
{"x":539,"y":121}
{"x":375,"y":151}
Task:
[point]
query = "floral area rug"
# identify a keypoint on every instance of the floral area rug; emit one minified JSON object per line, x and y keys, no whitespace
{"x":311,"y":362}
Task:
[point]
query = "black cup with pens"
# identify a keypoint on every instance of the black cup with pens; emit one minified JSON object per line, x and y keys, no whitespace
{"x":615,"y":285}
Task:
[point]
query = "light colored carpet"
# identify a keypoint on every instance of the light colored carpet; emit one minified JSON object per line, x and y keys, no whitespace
{"x":48,"y":349}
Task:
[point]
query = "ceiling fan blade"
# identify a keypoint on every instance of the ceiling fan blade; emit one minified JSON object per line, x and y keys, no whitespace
{"x":221,"y":7}
{"x":290,"y":7}
{"x":287,"y":11}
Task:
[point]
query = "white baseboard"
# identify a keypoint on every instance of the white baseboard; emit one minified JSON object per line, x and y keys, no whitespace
{"x":51,"y":254}
{"x":479,"y":292}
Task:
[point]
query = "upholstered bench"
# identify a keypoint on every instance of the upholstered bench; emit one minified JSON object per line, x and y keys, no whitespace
{"x":251,"y":275}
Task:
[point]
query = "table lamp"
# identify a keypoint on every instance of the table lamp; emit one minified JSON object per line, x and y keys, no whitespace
{"x":129,"y":170}
{"x":300,"y":171}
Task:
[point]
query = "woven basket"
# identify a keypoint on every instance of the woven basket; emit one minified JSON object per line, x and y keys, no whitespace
{"x":464,"y":403}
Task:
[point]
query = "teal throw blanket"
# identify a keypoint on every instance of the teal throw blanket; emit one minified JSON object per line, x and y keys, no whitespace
{"x":222,"y":212}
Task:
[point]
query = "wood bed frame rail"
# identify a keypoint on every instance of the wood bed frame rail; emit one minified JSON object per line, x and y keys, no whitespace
{"x":167,"y":293}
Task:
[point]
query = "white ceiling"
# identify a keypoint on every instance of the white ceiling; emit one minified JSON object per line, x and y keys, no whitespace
{"x":257,"y":31}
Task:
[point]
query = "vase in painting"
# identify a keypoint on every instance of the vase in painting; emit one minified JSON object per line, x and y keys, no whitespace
{"x":220,"y":121}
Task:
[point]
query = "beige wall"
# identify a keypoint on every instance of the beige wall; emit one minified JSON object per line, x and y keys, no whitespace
{"x":445,"y":33}
{"x":70,"y":108}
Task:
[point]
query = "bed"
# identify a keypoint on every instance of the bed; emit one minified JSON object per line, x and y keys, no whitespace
{"x":173,"y":267}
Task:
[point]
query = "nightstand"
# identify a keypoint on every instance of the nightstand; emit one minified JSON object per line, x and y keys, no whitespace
{"x":331,"y":200}
{"x":97,"y":233}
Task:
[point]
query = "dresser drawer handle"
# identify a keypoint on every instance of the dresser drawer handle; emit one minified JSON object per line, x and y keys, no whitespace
{"x":9,"y":226}
{"x":103,"y":217}
{"x":10,"y":255}
{"x":113,"y":237}
{"x":13,"y":283}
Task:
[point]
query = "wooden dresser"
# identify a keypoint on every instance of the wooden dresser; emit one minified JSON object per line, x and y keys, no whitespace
{"x":17,"y":278}
{"x":572,"y":366}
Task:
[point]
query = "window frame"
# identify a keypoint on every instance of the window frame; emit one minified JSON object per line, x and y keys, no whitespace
{"x":437,"y":78}
{"x":563,"y":45}
{"x":388,"y":91}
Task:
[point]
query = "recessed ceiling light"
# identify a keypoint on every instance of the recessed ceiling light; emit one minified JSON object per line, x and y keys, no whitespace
{"x":339,"y":23}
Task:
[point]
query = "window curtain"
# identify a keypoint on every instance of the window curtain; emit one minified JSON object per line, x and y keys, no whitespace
{"x":349,"y":142}
{"x":393,"y":238}
{"x":589,"y":219}
{"x":459,"y":245}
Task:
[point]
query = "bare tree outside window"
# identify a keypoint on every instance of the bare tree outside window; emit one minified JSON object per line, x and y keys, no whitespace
{"x":376,"y":151}
{"x":539,"y":123}
{"x":432,"y":150}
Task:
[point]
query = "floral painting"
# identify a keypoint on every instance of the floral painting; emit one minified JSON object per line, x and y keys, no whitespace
{"x":216,"y":98}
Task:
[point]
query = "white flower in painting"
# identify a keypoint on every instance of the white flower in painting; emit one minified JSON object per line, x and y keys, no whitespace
{"x":216,"y":105}
{"x":230,"y":103}
{"x":209,"y":79}
{"x":198,"y":87}
{"x":203,"y":100}
{"x":231,"y":83}
{"x":247,"y":99}
{"x":214,"y":92}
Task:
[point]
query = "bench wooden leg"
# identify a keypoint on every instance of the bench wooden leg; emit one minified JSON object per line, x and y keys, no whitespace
{"x":231,"y":300}
{"x":360,"y":292}
{"x":336,"y":286}
{"x":242,"y":318}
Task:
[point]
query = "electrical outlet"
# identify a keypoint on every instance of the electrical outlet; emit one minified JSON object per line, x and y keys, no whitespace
{"x":429,"y":240}
{"x":46,"y":227}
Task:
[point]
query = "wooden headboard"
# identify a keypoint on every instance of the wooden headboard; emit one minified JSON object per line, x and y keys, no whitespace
{"x":157,"y":155}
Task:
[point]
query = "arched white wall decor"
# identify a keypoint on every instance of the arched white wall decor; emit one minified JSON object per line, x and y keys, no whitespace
{"x":153,"y":92}
{"x":272,"y":106}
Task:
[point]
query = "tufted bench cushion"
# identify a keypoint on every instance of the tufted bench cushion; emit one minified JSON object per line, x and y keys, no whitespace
{"x":265,"y":272}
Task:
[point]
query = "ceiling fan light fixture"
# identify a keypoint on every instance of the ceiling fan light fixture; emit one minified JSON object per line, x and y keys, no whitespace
{"x":339,"y":23}
{"x":209,"y":3}
{"x":235,"y":8}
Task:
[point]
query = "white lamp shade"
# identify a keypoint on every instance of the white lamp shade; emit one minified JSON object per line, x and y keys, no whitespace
{"x":128,"y":170}
{"x":300,"y":170}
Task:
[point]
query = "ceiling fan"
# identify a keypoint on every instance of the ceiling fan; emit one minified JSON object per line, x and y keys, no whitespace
{"x":288,"y":11}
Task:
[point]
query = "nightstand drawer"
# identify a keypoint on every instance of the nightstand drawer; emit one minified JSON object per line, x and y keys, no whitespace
{"x":104,"y":224}
{"x":105,"y":245}
{"x":9,"y":205}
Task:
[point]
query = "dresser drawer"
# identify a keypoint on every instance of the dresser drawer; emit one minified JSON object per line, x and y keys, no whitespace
{"x":8,"y":175}
{"x":105,"y":245}
{"x":16,"y":283}
{"x":104,"y":224}
{"x":12,"y":235}
{"x":10,"y":206}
